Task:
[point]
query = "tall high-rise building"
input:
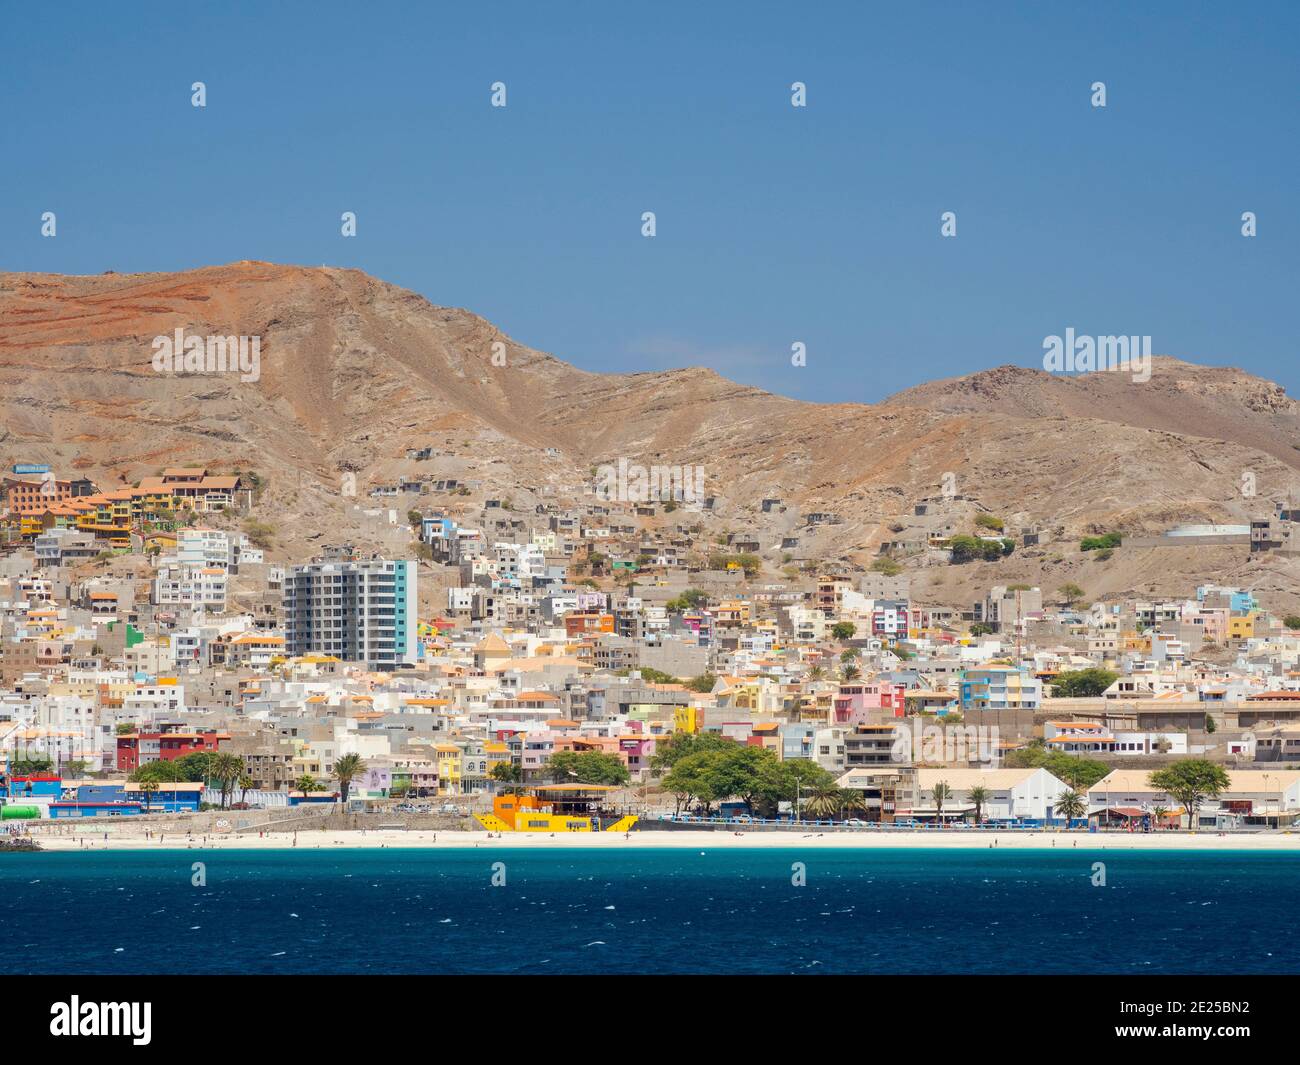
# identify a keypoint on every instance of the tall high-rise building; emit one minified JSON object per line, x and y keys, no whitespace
{"x":357,"y":611}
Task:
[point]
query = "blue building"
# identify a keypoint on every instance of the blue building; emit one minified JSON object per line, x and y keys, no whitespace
{"x":20,"y":789}
{"x":117,"y":799}
{"x":65,"y":810}
{"x":437,"y":529}
{"x":182,"y":798}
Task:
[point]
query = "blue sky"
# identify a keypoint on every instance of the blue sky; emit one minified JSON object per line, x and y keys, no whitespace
{"x":774,"y":224}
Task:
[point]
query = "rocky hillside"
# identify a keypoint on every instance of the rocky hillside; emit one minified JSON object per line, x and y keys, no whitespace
{"x":353,"y":372}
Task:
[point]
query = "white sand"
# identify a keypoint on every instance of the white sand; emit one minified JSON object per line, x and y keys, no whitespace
{"x":695,"y":840}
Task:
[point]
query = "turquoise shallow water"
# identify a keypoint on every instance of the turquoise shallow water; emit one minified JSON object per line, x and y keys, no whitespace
{"x":650,"y":911}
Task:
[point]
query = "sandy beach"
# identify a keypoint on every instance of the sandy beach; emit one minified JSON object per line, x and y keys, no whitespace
{"x":696,"y":840}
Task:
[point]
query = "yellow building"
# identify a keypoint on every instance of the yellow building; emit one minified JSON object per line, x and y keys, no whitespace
{"x":448,"y":758}
{"x":732,"y":612}
{"x":686,"y":719}
{"x":1241,"y":628}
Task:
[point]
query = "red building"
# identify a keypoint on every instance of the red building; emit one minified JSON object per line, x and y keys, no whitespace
{"x":136,"y":748}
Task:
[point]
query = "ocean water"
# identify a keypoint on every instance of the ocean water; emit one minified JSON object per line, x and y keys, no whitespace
{"x":650,"y":911}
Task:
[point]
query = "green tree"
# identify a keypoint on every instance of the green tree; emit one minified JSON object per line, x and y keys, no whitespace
{"x":792,"y":781}
{"x":148,"y":787}
{"x":588,"y":767}
{"x":850,"y":673}
{"x":226,"y":769}
{"x":670,"y":751}
{"x":1083,"y":683}
{"x":193,"y":767}
{"x":347,"y":769}
{"x":965,"y":548}
{"x":1191,"y":782}
{"x":979,"y":795}
{"x":824,"y":801}
{"x":843,"y":630}
{"x":973,"y":548}
{"x":1070,"y":593}
{"x":306,"y":784}
{"x":1070,"y":804}
{"x":691,"y":599}
{"x":689,"y":780}
{"x":852,"y":802}
{"x":738,"y":772}
{"x":159,"y":772}
{"x":703,"y":683}
{"x":1078,"y":772}
{"x":941,"y":794}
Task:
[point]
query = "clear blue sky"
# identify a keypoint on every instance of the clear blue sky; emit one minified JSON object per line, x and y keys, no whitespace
{"x":775,"y":224}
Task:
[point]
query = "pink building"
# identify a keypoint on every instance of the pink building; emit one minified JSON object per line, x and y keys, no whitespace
{"x":855,"y":701}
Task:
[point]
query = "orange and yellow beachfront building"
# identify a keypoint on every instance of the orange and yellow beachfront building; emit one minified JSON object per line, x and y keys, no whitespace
{"x":551,"y":808}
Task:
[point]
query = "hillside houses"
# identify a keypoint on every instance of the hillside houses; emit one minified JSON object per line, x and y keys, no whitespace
{"x":585,"y":628}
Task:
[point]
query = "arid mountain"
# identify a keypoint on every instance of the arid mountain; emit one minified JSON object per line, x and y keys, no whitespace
{"x":353,"y":372}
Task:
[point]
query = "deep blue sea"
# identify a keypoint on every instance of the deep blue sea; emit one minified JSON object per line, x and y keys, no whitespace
{"x":650,"y":911}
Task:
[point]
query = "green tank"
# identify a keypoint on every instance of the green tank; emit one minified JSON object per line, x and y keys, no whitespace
{"x":19,"y":813}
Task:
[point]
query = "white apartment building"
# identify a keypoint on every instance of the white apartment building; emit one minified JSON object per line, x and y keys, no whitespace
{"x":362,"y":611}
{"x":190,"y":585}
{"x":1013,"y":794}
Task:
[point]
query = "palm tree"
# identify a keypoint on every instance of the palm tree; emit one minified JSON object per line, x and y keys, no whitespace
{"x":148,"y":787}
{"x":245,"y":783}
{"x":306,"y":783}
{"x":979,"y":795}
{"x":1071,"y":805}
{"x":941,"y":792}
{"x":1161,"y":814}
{"x":852,"y":801}
{"x":823,"y":801}
{"x":850,"y":673}
{"x":347,"y":768}
{"x":227,"y":768}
